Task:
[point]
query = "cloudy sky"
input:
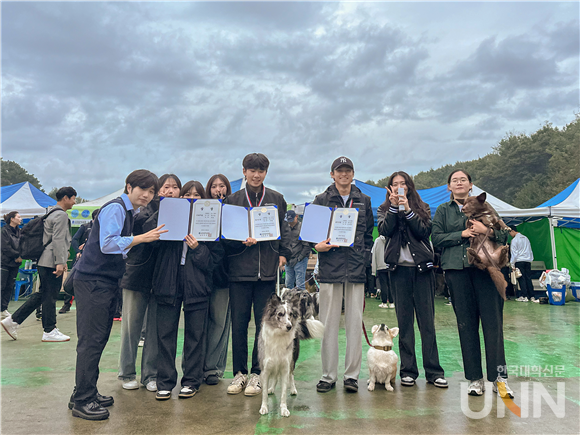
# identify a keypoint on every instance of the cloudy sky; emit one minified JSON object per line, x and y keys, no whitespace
{"x":91,"y":91}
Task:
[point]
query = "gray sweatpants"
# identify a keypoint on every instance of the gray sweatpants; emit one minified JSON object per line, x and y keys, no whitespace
{"x":330,"y":308}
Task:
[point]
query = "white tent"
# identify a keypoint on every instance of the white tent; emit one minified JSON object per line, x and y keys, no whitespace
{"x":26,"y":199}
{"x":81,"y":213}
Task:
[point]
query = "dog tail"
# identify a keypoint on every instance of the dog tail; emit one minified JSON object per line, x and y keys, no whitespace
{"x":498,"y":280}
{"x":310,"y":328}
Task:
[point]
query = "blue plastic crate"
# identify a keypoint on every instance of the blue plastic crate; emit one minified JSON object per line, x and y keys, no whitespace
{"x":557,"y":296}
{"x":575,"y":287}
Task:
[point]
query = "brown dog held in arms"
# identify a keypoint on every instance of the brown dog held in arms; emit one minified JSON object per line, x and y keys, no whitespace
{"x":484,"y":252}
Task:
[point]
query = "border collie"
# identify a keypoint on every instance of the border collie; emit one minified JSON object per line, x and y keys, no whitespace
{"x":284,"y":324}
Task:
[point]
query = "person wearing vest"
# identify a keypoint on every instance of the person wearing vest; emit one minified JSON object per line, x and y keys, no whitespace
{"x":342,"y":272}
{"x":96,"y":286}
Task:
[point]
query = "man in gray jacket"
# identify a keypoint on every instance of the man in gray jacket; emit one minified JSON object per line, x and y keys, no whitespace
{"x":51,"y":266}
{"x":298,"y":262}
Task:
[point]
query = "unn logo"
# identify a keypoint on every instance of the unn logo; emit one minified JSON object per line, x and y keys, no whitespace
{"x":539,"y":393}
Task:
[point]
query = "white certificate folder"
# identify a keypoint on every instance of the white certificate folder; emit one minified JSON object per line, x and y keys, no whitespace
{"x":174,"y":213}
{"x":321,"y":222}
{"x":183,"y":216}
{"x":262,"y":223}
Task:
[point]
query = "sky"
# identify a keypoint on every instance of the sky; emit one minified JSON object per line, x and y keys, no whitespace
{"x":92,"y":91}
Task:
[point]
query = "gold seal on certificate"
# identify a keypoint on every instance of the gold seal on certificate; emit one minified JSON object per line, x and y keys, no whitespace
{"x":343,"y":226}
{"x":264,"y":223}
{"x":206,"y":219}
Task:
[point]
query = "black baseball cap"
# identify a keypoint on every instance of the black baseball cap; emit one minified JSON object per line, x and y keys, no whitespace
{"x":290,"y":215}
{"x":341,"y":161}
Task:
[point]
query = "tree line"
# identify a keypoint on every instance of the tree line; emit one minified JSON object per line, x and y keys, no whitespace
{"x":522,"y":170}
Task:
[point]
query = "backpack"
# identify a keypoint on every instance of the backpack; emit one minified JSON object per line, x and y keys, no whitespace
{"x":31,"y":235}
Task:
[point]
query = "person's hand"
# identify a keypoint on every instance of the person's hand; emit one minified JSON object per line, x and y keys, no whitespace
{"x":191,"y":241}
{"x":149,"y":236}
{"x":82,"y":247}
{"x":18,"y":260}
{"x":467,"y":233}
{"x":282,"y":262}
{"x":325,"y":246}
{"x":250,"y":241}
{"x":60,"y":268}
{"x":478,"y":227}
{"x":78,"y":255}
{"x":392,"y":196}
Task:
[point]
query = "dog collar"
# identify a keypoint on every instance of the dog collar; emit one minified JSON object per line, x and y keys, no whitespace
{"x":385,"y":348}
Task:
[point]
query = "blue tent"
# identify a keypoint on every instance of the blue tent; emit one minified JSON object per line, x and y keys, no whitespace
{"x":25,"y":199}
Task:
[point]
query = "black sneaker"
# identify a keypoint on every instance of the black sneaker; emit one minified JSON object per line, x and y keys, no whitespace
{"x":325,"y":387}
{"x":351,"y":385}
{"x":212,"y":380}
{"x":65,"y":308}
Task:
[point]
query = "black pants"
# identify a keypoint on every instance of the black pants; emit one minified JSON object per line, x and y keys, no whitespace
{"x":95,"y":311}
{"x":8,"y":282}
{"x":49,"y":288}
{"x":242,"y":296}
{"x":525,"y":281}
{"x":386,"y":296}
{"x":475,"y":297}
{"x":370,"y":281}
{"x":193,"y":356}
{"x":415,"y":295}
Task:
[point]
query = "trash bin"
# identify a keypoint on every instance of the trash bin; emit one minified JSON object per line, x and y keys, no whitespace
{"x":557,"y":296}
{"x":575,"y":287}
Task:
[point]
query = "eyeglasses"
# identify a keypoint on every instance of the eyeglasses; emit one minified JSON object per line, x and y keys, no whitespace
{"x":459,"y":180}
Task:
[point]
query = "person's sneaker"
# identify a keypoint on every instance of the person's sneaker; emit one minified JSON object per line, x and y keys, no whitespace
{"x":254,"y":386}
{"x":476,"y":388}
{"x":65,"y":308}
{"x":407,"y":381}
{"x":5,"y":314}
{"x":132,"y":385}
{"x":448,"y":303}
{"x":103,"y":400}
{"x":324,"y":387}
{"x":151,"y":386}
{"x":117,"y":319}
{"x":383,"y":305}
{"x":187,"y":392}
{"x":212,"y":380}
{"x":351,"y":385}
{"x":440,"y":382}
{"x":54,"y":336}
{"x":238,"y":384}
{"x":90,"y":411}
{"x":163,"y":395}
{"x":537,"y":301}
{"x":391,"y":305}
{"x":141,"y":342}
{"x":501,"y":387}
{"x":522,"y":299}
{"x":11,"y":327}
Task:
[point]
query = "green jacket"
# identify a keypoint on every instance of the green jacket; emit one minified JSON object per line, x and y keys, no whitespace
{"x":448,"y":224}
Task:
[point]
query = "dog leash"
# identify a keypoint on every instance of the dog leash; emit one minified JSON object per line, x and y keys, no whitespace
{"x":364,"y":327}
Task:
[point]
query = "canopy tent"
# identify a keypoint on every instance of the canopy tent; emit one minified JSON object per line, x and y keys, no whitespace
{"x":26,"y":199}
{"x":81,"y":213}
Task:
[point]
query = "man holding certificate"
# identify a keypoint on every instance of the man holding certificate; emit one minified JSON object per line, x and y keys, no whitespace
{"x":253,"y":268}
{"x":341,"y":271}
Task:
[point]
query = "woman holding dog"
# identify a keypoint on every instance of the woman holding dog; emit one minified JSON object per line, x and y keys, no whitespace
{"x":406,"y":220}
{"x":473,"y":292}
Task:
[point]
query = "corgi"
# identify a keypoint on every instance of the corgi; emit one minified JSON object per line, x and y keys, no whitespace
{"x":283,"y":326}
{"x":381,"y":358}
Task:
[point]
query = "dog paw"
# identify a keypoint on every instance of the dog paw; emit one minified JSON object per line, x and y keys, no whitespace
{"x":371,"y":387}
{"x":293,"y":392}
{"x":284,"y":411}
{"x":389,"y":388}
{"x":264,"y":410}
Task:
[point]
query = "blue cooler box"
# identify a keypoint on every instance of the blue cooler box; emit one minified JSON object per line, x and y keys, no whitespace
{"x":557,"y":296}
{"x":575,"y":287}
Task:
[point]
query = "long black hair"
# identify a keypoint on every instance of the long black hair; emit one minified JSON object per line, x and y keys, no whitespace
{"x":415,"y":202}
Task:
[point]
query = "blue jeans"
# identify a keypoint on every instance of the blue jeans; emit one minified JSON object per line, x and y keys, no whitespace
{"x":296,"y":275}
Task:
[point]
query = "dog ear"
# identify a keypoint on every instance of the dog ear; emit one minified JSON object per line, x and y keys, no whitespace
{"x":394,"y":332}
{"x":375,"y":328}
{"x":275,"y":300}
{"x":482,"y":197}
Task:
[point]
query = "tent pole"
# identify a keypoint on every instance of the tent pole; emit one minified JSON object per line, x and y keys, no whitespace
{"x":553,"y":241}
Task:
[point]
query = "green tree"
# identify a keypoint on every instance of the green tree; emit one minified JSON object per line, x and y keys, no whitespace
{"x":53,"y":191}
{"x":13,"y":173}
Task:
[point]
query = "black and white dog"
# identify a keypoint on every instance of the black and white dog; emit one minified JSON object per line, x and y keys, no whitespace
{"x":284,"y":324}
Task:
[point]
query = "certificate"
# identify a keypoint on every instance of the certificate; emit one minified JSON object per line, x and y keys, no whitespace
{"x":174,"y":214}
{"x":343,"y":226}
{"x":315,"y":223}
{"x":235,"y":225}
{"x":206,"y":219}
{"x":264,"y":223}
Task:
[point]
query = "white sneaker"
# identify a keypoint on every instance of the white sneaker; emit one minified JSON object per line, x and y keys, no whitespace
{"x":476,"y":388}
{"x":238,"y":384}
{"x":254,"y":386}
{"x":383,"y":305}
{"x":391,"y":305}
{"x":537,"y":301}
{"x":11,"y":327}
{"x":151,"y":386}
{"x":522,"y":299}
{"x":133,"y":385}
{"x":501,"y":387}
{"x":54,"y":336}
{"x":5,"y":314}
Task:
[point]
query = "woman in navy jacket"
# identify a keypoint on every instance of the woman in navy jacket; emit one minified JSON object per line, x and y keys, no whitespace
{"x":409,"y":259}
{"x":10,"y":257}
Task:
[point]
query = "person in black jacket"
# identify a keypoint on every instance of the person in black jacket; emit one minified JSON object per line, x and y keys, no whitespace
{"x":342,"y":272}
{"x":138,"y":299}
{"x":182,"y":277}
{"x":10,"y":258}
{"x":406,"y":220}
{"x":253,"y":268}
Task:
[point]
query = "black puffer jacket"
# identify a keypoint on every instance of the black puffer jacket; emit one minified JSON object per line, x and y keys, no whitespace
{"x":140,"y":260}
{"x":409,"y":228}
{"x":10,"y":240}
{"x":348,"y":263}
{"x":260,"y":261}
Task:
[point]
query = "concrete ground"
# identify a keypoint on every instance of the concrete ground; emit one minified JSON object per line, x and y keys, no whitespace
{"x":37,"y":379}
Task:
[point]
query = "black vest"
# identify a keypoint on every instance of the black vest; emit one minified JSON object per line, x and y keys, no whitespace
{"x":96,"y":266}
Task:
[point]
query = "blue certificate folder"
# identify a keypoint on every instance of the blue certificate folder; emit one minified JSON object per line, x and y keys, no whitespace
{"x":239,"y":223}
{"x":175,"y":214}
{"x":235,"y":222}
{"x":315,"y":223}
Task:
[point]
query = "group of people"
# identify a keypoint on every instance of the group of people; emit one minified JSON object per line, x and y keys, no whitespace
{"x":217,"y":285}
